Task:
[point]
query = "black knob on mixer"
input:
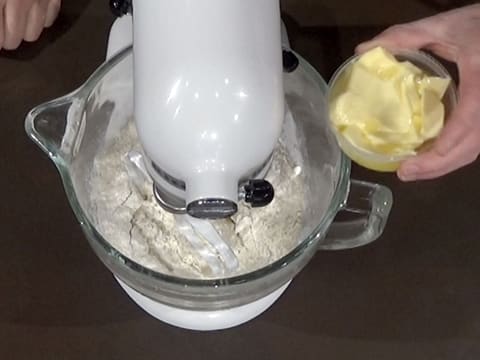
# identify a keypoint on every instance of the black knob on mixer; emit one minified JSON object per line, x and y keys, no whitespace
{"x":290,"y":61}
{"x":259,"y":193}
{"x":121,"y":7}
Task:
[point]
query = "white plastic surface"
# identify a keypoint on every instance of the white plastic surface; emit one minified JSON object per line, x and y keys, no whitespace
{"x":121,"y":35}
{"x":203,"y":320}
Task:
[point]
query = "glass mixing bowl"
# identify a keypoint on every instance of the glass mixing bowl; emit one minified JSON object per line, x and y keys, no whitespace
{"x":74,"y":128}
{"x":384,"y":162}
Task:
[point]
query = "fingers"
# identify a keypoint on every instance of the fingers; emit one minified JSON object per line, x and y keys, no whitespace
{"x":15,"y":21}
{"x":35,"y":21}
{"x":459,"y":143}
{"x":52,"y":12}
{"x":465,"y":118}
{"x":42,"y":14}
{"x":431,"y":164}
{"x":25,"y":20}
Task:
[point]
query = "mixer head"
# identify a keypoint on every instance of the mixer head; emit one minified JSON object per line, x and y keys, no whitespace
{"x":209,"y":100}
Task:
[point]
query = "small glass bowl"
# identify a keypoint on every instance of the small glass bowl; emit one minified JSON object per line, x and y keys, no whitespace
{"x":385,"y":162}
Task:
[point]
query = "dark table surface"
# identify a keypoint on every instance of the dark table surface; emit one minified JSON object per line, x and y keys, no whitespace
{"x":413,"y":294}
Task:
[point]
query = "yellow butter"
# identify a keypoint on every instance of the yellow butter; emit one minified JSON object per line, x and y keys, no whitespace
{"x":387,"y":106}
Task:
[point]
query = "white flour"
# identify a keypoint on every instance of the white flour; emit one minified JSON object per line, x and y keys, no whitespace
{"x":128,"y":216}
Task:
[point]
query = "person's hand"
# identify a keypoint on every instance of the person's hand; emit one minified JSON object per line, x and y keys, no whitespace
{"x":454,"y":36}
{"x":25,"y":20}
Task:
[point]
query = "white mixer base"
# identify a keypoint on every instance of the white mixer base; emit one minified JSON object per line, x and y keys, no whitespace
{"x":203,"y":320}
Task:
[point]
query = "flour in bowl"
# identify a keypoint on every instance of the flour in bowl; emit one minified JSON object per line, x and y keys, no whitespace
{"x":130,"y":219}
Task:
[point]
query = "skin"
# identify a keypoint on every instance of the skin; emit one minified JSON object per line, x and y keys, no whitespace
{"x":24,"y":20}
{"x":454,"y":36}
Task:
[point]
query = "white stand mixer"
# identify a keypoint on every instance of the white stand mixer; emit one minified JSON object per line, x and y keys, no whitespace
{"x":209,"y":108}
{"x":209,"y":99}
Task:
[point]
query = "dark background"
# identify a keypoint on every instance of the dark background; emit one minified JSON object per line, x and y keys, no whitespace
{"x":414,"y":294}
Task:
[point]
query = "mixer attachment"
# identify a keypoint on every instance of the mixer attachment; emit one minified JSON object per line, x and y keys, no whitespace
{"x":167,"y":190}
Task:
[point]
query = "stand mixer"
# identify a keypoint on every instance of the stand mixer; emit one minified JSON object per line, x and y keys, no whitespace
{"x":209,"y":100}
{"x":205,"y":88}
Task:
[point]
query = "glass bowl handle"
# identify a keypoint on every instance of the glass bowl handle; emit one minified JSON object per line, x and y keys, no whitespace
{"x":53,"y":126}
{"x":368,"y":207}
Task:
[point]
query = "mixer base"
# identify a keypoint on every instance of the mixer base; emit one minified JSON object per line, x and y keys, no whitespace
{"x":203,"y":320}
